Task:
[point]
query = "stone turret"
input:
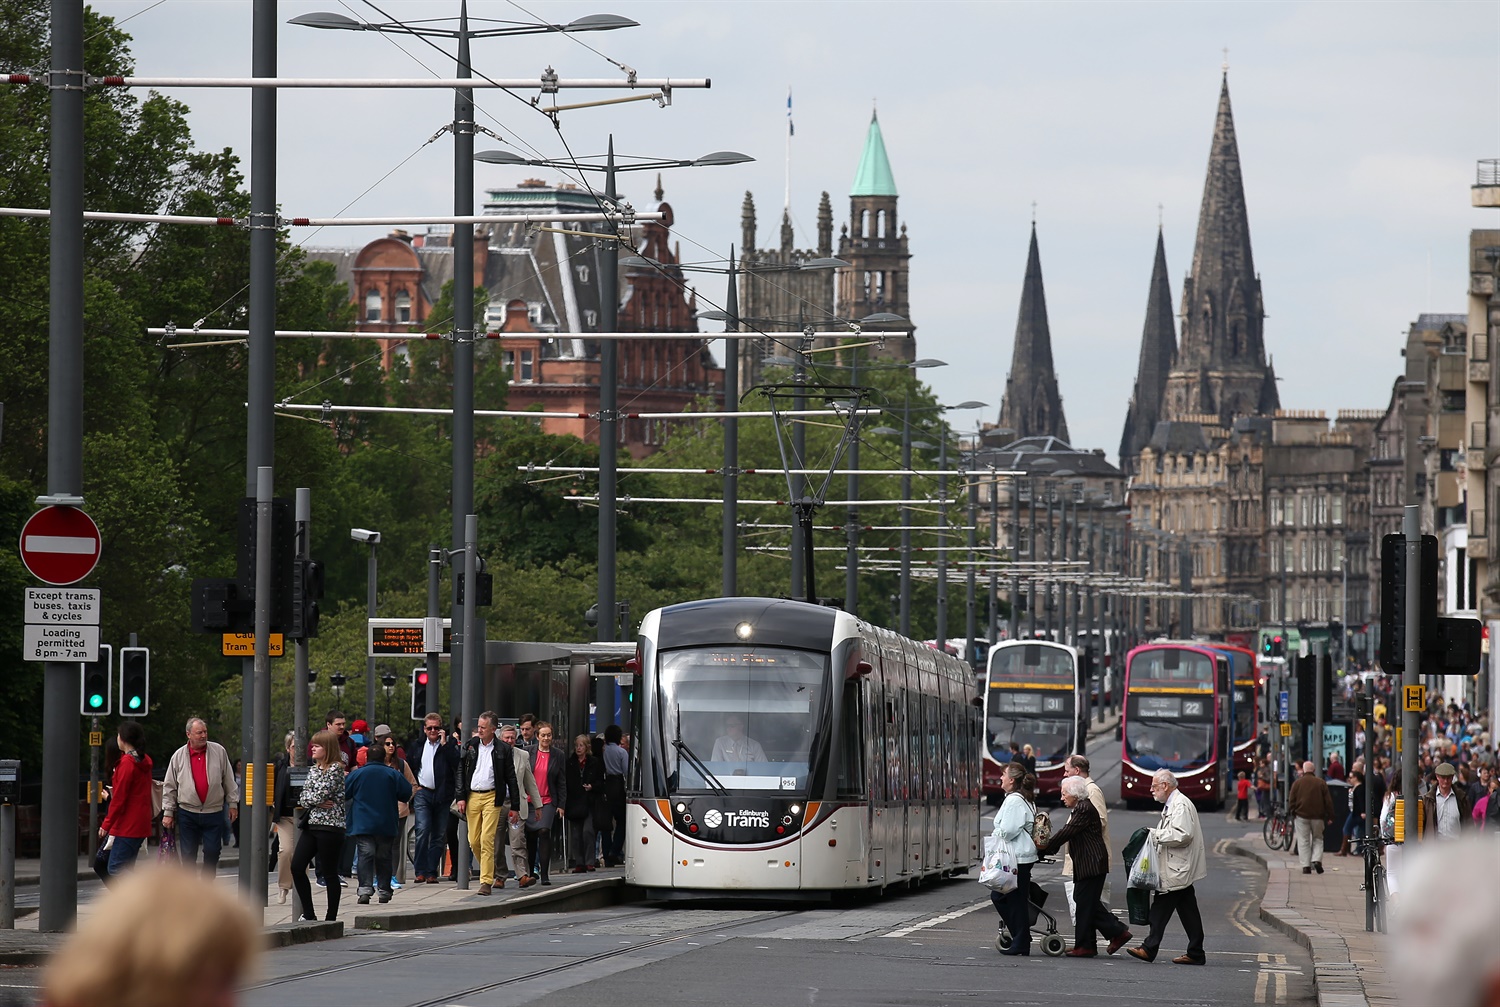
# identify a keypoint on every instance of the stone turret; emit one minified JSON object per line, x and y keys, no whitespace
{"x":1158,"y":350}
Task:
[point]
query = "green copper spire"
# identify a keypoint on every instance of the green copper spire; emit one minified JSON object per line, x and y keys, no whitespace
{"x":874,"y":177}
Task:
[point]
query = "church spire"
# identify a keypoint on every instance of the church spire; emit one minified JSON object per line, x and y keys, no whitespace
{"x":1158,"y":348}
{"x":1032,"y":405}
{"x":874,"y":176}
{"x":1221,"y":362}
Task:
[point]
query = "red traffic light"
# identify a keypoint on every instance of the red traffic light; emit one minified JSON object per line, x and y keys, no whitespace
{"x":421,"y":678}
{"x":1275,"y":639}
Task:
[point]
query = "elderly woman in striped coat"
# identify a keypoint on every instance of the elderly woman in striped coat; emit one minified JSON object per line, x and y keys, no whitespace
{"x":1084,"y":837}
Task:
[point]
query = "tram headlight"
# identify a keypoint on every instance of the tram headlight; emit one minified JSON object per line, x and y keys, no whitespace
{"x":796,"y":809}
{"x":785,"y":820}
{"x":744,"y":631}
{"x":681,"y":807}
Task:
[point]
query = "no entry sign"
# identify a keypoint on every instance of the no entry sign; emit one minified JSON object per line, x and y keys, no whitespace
{"x":60,"y":545}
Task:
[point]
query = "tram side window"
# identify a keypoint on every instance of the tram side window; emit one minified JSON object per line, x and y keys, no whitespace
{"x":851,"y":769}
{"x":891,"y":752}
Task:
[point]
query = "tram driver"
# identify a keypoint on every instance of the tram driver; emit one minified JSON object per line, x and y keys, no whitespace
{"x":734,"y":745}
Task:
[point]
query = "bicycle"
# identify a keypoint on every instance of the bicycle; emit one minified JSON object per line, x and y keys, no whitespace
{"x":1377,"y":892}
{"x":1277,"y":830}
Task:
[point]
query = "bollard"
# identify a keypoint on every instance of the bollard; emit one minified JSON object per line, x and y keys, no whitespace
{"x":10,"y":792}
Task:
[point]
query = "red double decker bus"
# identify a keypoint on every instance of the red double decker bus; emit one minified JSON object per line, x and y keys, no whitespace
{"x":1175,"y":716}
{"x":1032,"y":698}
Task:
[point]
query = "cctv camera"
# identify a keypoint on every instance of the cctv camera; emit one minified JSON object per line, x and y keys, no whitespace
{"x":365,"y":535}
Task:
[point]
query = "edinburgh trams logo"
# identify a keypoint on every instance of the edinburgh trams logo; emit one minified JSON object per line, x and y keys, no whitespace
{"x":712,"y":818}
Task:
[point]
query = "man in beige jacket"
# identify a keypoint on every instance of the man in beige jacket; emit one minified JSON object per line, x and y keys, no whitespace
{"x":1078,"y":765}
{"x":513,"y":823}
{"x":198,"y":786}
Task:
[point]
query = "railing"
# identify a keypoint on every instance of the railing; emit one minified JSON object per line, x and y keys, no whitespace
{"x":1489,"y":172}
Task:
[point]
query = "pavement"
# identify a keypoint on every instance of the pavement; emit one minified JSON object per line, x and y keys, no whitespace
{"x":1325,"y":913}
{"x":413,"y":907}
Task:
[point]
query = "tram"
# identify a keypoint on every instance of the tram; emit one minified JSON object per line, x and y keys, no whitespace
{"x":1175,"y":716}
{"x":1032,"y":698}
{"x":784,"y":748}
{"x":1244,"y":707}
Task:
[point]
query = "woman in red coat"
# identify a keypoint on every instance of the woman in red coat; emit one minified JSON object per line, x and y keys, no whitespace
{"x":130,"y":810}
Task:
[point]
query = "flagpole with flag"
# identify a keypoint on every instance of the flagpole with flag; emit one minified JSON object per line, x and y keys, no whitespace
{"x":790,"y":130}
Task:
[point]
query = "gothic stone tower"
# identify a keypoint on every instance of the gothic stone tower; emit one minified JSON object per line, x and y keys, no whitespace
{"x":1032,"y":405}
{"x":1221,"y":369}
{"x":874,"y":244}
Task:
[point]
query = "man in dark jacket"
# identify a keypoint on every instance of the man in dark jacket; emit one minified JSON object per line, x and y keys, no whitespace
{"x":485,"y":780}
{"x":1311,"y":806}
{"x":1445,"y":808}
{"x":373,"y":792}
{"x":434,"y":762}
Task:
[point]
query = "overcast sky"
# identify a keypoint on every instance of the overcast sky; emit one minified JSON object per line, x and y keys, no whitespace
{"x":1359,"y":127}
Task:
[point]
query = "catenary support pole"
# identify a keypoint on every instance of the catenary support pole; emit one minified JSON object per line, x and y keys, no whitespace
{"x":971,"y":612}
{"x":372,"y":573}
{"x":729,"y":536}
{"x":260,"y":443}
{"x":60,"y":691}
{"x":609,"y":413}
{"x":851,"y":519}
{"x":941,"y":636}
{"x":462,"y":502}
{"x":799,"y":455}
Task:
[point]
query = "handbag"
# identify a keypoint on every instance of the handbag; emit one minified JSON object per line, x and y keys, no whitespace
{"x":998,"y":871}
{"x":166,"y":853}
{"x":545,"y":821}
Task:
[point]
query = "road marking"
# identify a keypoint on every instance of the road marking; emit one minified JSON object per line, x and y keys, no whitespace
{"x":936,"y":920}
{"x":1272,"y":976}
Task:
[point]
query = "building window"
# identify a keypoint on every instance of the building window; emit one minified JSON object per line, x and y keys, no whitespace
{"x":522,"y":366}
{"x":403,"y":306}
{"x":372,"y":305}
{"x":534,"y":313}
{"x":1288,"y":554}
{"x":1338,"y":554}
{"x":1337,"y":508}
{"x":1276,"y":511}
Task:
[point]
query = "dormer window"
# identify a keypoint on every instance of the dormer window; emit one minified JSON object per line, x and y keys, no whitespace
{"x":372,"y":305}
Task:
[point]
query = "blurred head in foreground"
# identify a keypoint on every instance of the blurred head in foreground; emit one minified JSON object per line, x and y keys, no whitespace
{"x":1444,"y":949}
{"x":161,"y":937}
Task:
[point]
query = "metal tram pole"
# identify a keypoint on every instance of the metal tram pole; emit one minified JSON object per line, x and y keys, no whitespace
{"x":942,"y":557}
{"x":473,"y":693}
{"x":994,"y":580}
{"x":59,"y":869}
{"x":462,"y":501}
{"x":1411,"y":720}
{"x":434,"y":614}
{"x":94,"y":732}
{"x":731,"y":517}
{"x":255,"y":790}
{"x":609,"y":418}
{"x":971,"y":614}
{"x":851,"y":527}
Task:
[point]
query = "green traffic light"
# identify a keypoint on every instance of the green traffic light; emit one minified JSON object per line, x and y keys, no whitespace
{"x":96,"y":701}
{"x":135,"y":702}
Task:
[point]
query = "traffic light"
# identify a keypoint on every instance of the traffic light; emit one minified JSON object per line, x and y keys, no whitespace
{"x":1265,"y":647}
{"x":485,"y":596}
{"x":217,"y":607}
{"x":135,"y":681}
{"x":307,"y":589}
{"x":1276,"y":646}
{"x":1393,"y":598}
{"x":97,"y":677}
{"x":419,"y":692}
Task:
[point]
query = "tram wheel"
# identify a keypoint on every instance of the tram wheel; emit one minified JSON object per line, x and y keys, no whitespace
{"x":1054,"y":945}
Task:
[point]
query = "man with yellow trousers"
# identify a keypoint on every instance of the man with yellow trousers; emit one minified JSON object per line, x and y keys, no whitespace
{"x":486,"y":780}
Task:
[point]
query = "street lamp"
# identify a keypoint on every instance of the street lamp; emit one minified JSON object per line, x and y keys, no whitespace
{"x":371,"y":539}
{"x":463,"y":265}
{"x":730,"y":317}
{"x":609,"y":303}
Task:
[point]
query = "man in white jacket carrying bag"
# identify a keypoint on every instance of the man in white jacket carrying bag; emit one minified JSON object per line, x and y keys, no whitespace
{"x":1179,"y":837}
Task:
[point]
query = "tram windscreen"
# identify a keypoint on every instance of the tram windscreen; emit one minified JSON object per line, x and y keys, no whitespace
{"x":1169,"y":730}
{"x":747,"y":715}
{"x":1042,"y":719}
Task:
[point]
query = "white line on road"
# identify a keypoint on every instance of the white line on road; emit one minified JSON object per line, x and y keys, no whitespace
{"x":936,"y":920}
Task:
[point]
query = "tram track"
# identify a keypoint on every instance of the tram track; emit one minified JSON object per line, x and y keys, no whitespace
{"x":448,"y":998}
{"x":383,"y":959}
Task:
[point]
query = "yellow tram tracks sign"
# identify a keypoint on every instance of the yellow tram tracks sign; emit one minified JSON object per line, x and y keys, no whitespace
{"x":1414,"y":698}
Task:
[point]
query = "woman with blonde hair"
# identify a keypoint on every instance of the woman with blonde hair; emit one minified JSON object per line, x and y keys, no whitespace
{"x":161,"y":937}
{"x":323,"y":830}
{"x":585,"y":795}
{"x":283,"y":817}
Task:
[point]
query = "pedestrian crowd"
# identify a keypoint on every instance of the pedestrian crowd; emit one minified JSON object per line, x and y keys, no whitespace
{"x":368,"y":805}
